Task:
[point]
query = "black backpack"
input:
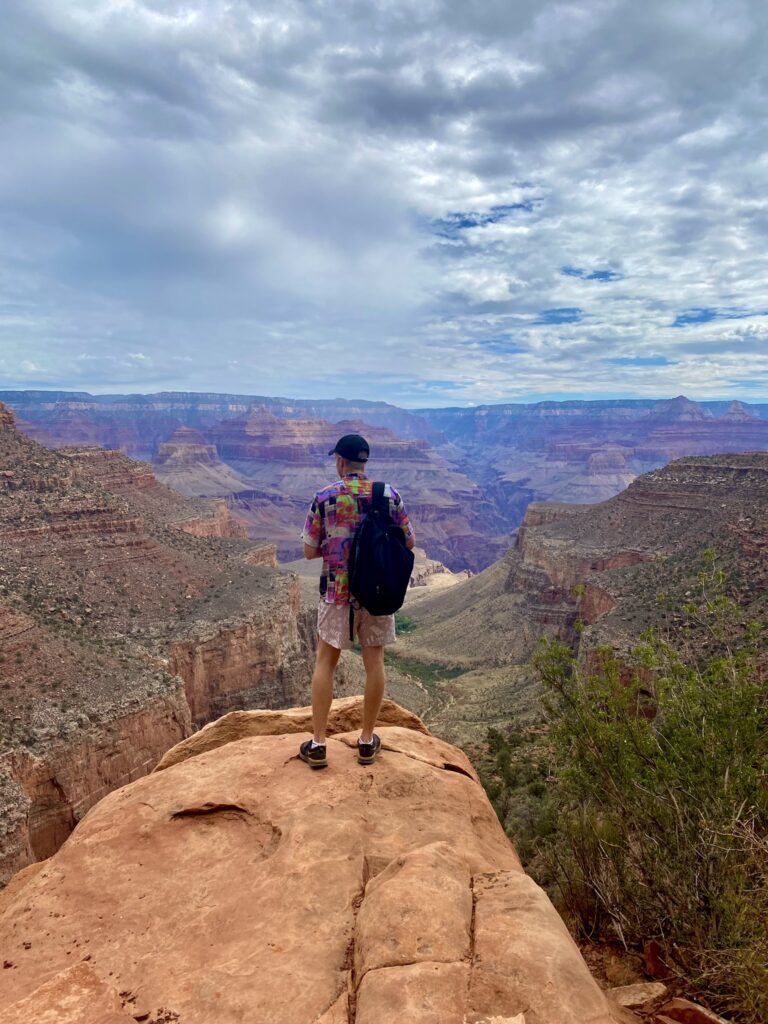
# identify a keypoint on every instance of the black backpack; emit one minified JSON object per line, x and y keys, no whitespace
{"x":380,"y":564}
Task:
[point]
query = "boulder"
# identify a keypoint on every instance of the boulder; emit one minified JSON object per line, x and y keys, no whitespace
{"x":644,"y":995}
{"x":683,"y":1011}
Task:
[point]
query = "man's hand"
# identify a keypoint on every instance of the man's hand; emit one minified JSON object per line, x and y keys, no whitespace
{"x":410,"y":543}
{"x":310,"y":552}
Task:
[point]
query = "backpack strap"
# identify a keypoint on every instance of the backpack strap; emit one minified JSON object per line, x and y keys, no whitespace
{"x":377,"y":498}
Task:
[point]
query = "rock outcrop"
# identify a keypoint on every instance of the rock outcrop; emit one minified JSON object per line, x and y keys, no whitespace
{"x":238,"y":886}
{"x":7,"y":419}
{"x":590,"y":575}
{"x":190,"y":464}
{"x":128,"y":614}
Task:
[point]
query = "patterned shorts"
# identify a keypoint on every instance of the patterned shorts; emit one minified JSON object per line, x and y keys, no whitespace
{"x":370,"y":630}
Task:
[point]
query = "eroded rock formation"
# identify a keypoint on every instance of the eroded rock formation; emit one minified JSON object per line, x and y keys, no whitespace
{"x":286,"y":460}
{"x":590,"y":575}
{"x":369,"y":895}
{"x":127,"y":613}
{"x":468,"y":474}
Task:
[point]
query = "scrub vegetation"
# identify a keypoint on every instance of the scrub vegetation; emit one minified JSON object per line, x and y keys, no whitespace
{"x":643,"y":807}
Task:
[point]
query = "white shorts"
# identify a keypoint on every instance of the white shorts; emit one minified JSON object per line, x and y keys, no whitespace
{"x":370,"y":630}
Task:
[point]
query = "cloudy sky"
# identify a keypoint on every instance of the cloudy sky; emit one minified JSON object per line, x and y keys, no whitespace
{"x":429,"y":201}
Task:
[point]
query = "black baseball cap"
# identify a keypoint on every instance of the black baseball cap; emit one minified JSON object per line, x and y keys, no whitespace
{"x":352,"y":447}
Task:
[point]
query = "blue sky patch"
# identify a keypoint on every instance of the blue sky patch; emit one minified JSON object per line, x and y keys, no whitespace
{"x":706,"y":315}
{"x":593,"y":275}
{"x":448,"y":227}
{"x":561,"y":315}
{"x":503,"y":346}
{"x":639,"y":361}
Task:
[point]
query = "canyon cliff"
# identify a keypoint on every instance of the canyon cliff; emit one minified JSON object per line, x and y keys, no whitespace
{"x":286,"y":461}
{"x":590,"y":575}
{"x":588,"y":451}
{"x":128,"y":615}
{"x":381,"y":894}
{"x":467,"y":474}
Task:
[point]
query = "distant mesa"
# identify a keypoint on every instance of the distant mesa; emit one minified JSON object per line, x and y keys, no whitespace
{"x":186,"y":445}
{"x":738,"y":413}
{"x":679,"y":410}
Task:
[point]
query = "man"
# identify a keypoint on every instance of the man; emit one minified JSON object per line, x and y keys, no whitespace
{"x":333,"y":517}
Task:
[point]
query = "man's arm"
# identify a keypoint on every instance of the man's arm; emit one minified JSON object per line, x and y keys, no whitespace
{"x":312,"y":534}
{"x":399,"y":516}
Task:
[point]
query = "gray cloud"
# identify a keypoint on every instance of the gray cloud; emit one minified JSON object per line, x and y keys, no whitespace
{"x":248,"y":196}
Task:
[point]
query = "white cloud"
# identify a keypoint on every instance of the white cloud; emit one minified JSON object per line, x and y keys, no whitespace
{"x":300,"y":199}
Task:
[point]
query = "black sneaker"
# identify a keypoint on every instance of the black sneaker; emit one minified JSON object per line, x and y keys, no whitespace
{"x":314,"y":756}
{"x":368,"y":752}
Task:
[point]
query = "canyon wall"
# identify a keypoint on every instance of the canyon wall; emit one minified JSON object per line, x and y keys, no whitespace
{"x":128,"y":614}
{"x":260,"y":660}
{"x":467,"y":474}
{"x":46,"y":788}
{"x":592,"y":575}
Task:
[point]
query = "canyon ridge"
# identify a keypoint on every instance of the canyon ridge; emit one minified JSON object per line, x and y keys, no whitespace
{"x":467,"y":475}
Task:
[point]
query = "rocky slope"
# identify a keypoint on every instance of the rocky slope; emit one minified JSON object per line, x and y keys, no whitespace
{"x":127,"y":615}
{"x":601,"y":566}
{"x":391,"y":892}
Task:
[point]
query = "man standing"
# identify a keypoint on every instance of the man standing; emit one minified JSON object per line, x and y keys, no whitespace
{"x":333,"y":517}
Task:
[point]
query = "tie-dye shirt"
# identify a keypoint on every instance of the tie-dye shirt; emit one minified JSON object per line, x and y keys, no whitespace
{"x":333,"y":517}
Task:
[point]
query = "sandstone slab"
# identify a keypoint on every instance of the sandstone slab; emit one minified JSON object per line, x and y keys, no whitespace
{"x":422,"y":993}
{"x":643,"y":995}
{"x":346,"y":714}
{"x":524,"y":958}
{"x":76,"y":996}
{"x":240,"y":887}
{"x":683,"y":1011}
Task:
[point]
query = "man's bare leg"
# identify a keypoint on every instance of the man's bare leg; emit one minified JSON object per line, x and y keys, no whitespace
{"x":373,"y":659}
{"x":322,"y":687}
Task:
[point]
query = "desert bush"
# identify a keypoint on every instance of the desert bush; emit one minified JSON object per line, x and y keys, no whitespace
{"x":662,"y":805}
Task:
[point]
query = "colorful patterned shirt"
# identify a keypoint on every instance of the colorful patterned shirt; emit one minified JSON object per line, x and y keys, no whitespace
{"x":333,"y":517}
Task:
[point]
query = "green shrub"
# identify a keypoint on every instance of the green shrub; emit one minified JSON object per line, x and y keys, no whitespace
{"x":662,"y":804}
{"x":403,"y":623}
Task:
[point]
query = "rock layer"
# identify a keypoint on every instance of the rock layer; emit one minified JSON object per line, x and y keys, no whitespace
{"x":381,"y":894}
{"x":126,"y":613}
{"x":468,"y":474}
{"x":590,"y":575}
